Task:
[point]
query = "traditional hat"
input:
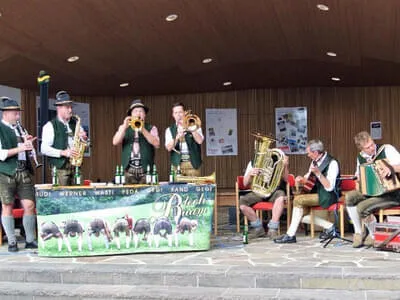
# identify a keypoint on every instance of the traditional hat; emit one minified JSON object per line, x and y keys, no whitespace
{"x":137,"y":103}
{"x":9,"y":104}
{"x":63,"y":98}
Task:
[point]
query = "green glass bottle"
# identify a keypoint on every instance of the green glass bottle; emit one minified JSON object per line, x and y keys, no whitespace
{"x":148,"y":175}
{"x":154,"y":176}
{"x":245,"y":235}
{"x":178,"y":171}
{"x":54,"y":177}
{"x":117,"y":177}
{"x":122,"y":174}
{"x":172,"y":174}
{"x":78,"y":178}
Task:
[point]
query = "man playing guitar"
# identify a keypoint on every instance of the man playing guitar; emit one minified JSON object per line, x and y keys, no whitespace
{"x":325,"y":170}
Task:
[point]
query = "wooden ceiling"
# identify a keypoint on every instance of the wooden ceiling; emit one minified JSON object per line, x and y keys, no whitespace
{"x":253,"y":44}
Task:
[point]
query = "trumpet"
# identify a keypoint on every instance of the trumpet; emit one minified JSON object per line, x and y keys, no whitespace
{"x":197,"y":179}
{"x":24,"y":135}
{"x":191,"y":122}
{"x":136,"y":124}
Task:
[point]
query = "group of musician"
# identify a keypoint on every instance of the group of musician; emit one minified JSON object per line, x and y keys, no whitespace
{"x":323,"y":182}
{"x":138,"y":150}
{"x":58,"y":137}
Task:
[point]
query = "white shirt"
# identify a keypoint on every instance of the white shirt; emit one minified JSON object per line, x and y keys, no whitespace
{"x":392,"y":155}
{"x":183,"y":144}
{"x":48,"y":139}
{"x":333,"y":172}
{"x":4,"y":152}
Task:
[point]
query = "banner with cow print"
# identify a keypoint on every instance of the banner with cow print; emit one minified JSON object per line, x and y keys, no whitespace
{"x":86,"y":221}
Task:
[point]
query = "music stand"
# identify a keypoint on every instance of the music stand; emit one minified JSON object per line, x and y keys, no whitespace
{"x":335,"y":234}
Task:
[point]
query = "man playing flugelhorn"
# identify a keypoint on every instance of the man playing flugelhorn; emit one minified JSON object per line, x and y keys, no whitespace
{"x":138,"y":143}
{"x":183,"y":143}
{"x":58,"y":139}
{"x":16,"y":175}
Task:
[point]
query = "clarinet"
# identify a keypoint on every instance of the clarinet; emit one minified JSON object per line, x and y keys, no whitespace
{"x":32,"y":153}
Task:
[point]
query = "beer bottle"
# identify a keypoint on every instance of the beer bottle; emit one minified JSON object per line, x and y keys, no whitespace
{"x":172,"y":174}
{"x":54,"y":177}
{"x":77,"y":176}
{"x":154,"y":176}
{"x":117,"y":177}
{"x":245,"y":235}
{"x":178,"y":171}
{"x":122,"y":174}
{"x":148,"y":175}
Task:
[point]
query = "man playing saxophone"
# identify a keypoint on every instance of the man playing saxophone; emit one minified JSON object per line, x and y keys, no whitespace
{"x":16,"y":175}
{"x":184,"y":143}
{"x":139,"y":139}
{"x":58,"y":139}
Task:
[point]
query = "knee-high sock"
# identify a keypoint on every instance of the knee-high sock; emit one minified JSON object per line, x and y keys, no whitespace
{"x":370,"y":223}
{"x":29,"y":223}
{"x":317,"y":221}
{"x":296,"y":219}
{"x":9,"y":228}
{"x":355,"y":217}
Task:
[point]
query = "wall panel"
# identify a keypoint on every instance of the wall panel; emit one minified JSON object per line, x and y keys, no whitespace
{"x":335,"y":115}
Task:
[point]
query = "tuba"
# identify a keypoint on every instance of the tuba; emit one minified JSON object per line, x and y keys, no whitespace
{"x":136,"y":124}
{"x":271,"y":163}
{"x":191,"y":122}
{"x":78,"y":145}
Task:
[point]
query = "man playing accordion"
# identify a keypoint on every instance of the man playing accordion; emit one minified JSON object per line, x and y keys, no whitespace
{"x":361,"y":206}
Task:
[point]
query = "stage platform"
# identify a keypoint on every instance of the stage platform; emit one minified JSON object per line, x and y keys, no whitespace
{"x":230,"y":270}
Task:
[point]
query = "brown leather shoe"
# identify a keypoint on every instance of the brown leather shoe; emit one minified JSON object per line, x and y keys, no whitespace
{"x":357,"y":240}
{"x":369,"y":241}
{"x":272,"y":233}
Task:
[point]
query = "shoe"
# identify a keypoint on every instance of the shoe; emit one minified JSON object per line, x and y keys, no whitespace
{"x":272,"y":234}
{"x":369,"y":241}
{"x":327,"y":233}
{"x":357,"y":240}
{"x":285,"y":239}
{"x":31,"y":245}
{"x":13,"y":247}
{"x":256,"y":233}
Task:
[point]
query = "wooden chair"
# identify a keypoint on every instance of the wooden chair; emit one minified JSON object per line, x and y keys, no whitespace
{"x":347,"y":183}
{"x":262,"y":206}
{"x":395,"y":210}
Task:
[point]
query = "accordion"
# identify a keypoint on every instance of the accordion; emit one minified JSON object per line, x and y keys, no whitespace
{"x":373,"y":183}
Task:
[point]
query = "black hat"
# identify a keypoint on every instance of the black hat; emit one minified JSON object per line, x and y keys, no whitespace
{"x":63,"y":98}
{"x":137,"y":103}
{"x":9,"y":104}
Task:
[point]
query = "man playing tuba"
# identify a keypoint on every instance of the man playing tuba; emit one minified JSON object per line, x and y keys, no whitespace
{"x":277,"y":197}
{"x":183,"y":140}
{"x":58,"y":139}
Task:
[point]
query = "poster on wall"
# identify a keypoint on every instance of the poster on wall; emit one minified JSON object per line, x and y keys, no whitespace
{"x":291,"y":129}
{"x":221,"y":133}
{"x":79,"y":109}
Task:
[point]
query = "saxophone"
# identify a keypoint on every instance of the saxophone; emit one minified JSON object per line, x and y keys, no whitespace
{"x":271,"y":163}
{"x":78,"y":144}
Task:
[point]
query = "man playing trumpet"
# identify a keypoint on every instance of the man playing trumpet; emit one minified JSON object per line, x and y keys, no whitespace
{"x":16,"y":175}
{"x":58,"y":139}
{"x":184,"y":143}
{"x":139,"y":140}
